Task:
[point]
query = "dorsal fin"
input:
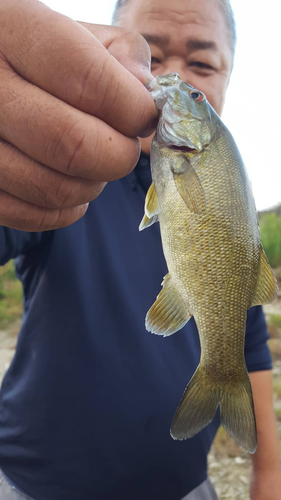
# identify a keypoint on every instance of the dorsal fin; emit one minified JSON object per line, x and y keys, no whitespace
{"x":266,"y":288}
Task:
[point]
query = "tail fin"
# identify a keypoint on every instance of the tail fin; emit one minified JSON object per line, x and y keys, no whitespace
{"x":197,"y":407}
{"x":238,"y":415}
{"x":199,"y":404}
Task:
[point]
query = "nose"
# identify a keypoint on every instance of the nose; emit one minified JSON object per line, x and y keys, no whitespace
{"x":176,"y":65}
{"x":171,"y":65}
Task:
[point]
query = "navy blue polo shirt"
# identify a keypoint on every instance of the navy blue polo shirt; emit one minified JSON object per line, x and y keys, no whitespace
{"x":87,"y":403}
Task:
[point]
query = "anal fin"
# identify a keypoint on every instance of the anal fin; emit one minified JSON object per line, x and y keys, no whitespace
{"x":169,"y":313}
{"x":266,"y":288}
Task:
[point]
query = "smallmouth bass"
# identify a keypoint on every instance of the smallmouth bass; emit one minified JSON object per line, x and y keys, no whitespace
{"x":203,"y":200}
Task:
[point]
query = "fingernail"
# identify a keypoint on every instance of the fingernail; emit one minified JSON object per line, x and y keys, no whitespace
{"x":147,"y":76}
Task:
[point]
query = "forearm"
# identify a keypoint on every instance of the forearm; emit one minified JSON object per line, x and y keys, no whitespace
{"x":266,"y":475}
{"x":267,"y":454}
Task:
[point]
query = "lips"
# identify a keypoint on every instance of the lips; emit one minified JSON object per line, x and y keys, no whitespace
{"x":185,"y":149}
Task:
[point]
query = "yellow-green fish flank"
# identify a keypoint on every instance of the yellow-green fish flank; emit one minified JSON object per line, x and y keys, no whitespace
{"x":211,"y":241}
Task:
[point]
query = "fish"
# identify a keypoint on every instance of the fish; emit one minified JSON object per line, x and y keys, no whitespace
{"x":217,"y":268}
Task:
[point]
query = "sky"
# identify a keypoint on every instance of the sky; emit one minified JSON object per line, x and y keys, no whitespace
{"x":252,"y":109}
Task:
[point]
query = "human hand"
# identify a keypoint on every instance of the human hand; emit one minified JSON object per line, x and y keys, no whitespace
{"x":266,"y":484}
{"x":72,"y":103}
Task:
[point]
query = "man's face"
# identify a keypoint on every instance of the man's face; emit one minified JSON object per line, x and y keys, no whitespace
{"x":188,"y":37}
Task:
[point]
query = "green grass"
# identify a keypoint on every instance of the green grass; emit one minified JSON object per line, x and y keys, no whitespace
{"x":10,"y":295}
{"x":270,"y":227}
{"x":275,"y":319}
{"x":278,"y":414}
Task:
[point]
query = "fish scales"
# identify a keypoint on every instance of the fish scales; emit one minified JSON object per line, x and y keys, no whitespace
{"x":211,"y":241}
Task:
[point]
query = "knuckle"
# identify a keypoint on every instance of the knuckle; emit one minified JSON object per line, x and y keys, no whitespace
{"x":75,"y":151}
{"x":34,"y":219}
{"x":64,"y":147}
{"x":63,"y":193}
{"x":71,"y":193}
{"x":139,"y":52}
{"x":103,"y":89}
{"x":141,"y":43}
{"x":136,"y":41}
{"x":48,"y":219}
{"x":80,"y":90}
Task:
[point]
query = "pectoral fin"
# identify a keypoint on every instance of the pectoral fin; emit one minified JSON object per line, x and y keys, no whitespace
{"x":169,"y":312}
{"x":151,"y":205}
{"x":151,"y":208}
{"x":189,"y":186}
{"x":146,"y":222}
{"x":266,"y":287}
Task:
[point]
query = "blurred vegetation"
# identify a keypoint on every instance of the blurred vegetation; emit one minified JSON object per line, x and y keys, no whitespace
{"x":278,"y":414}
{"x":275,"y":319}
{"x":277,"y":388}
{"x":10,"y":295}
{"x":270,"y":227}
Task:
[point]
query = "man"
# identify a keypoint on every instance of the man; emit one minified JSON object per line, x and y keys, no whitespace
{"x":86,"y":405}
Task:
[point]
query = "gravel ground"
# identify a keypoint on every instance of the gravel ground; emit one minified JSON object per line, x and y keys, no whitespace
{"x":230,"y":477}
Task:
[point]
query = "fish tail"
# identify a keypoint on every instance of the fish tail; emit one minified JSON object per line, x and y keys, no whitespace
{"x":197,"y":408}
{"x":238,"y":414}
{"x":200,"y":402}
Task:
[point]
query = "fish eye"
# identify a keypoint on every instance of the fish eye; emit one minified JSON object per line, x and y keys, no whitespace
{"x":197,"y":96}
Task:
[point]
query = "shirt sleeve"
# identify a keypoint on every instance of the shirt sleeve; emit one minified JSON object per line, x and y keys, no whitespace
{"x":14,"y":242}
{"x":257,"y":353}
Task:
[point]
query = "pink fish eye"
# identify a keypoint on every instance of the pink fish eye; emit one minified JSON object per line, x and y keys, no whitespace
{"x":197,"y":96}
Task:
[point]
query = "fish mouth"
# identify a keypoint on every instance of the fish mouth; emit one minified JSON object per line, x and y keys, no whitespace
{"x":184,"y":149}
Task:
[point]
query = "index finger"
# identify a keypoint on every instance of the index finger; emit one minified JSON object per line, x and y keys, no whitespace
{"x":65,"y":59}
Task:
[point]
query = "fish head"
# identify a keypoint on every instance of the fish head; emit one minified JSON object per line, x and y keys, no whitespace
{"x":187,"y":120}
